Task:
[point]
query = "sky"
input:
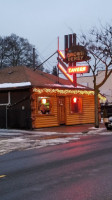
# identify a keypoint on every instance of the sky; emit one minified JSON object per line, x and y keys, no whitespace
{"x":43,"y":21}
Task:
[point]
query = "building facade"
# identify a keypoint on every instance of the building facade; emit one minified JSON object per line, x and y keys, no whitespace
{"x":34,"y":99}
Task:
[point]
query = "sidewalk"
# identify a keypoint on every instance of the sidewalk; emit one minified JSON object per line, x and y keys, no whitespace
{"x":18,"y":140}
{"x":84,"y":128}
{"x":51,"y":132}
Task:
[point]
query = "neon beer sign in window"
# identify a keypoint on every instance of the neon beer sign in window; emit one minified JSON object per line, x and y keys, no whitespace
{"x":76,"y":105}
{"x":74,"y":100}
{"x":78,"y":69}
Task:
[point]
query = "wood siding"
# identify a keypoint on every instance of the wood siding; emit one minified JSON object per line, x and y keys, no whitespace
{"x":87,"y":115}
{"x":39,"y":120}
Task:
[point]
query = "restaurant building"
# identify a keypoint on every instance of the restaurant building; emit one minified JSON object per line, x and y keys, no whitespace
{"x":35,"y":99}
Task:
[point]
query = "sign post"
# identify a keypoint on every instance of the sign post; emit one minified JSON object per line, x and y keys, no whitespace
{"x":73,"y":54}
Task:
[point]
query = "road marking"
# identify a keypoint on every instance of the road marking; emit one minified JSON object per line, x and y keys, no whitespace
{"x":2,"y":176}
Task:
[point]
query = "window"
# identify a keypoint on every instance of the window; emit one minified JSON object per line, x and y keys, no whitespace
{"x":44,"y":105}
{"x":76,"y":105}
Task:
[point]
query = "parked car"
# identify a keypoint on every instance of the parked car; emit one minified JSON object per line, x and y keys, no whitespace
{"x":108,"y":123}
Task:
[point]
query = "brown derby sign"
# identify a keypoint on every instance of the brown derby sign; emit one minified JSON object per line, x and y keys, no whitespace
{"x":77,"y":53}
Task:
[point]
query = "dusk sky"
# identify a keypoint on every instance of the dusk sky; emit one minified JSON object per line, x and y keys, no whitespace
{"x":42,"y":21}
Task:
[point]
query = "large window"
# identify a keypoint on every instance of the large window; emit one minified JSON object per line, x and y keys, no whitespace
{"x":76,"y":105}
{"x":44,"y":105}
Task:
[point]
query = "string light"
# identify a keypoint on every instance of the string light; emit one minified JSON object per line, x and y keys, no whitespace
{"x":65,"y":92}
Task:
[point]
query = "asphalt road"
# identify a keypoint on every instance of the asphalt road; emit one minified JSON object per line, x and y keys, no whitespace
{"x":78,"y":170}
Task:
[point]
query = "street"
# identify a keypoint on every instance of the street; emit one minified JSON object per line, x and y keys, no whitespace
{"x":77,"y":170}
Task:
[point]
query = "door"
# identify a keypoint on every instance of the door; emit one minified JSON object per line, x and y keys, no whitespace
{"x":61,"y":105}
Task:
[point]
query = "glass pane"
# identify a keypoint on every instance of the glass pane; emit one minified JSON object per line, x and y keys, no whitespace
{"x":76,"y":105}
{"x":44,"y":105}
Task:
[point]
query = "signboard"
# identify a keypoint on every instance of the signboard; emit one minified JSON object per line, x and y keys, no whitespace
{"x":78,"y":69}
{"x":77,"y":53}
{"x":76,"y":56}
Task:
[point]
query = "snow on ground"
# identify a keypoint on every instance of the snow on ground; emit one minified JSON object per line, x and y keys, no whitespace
{"x":17,"y":140}
{"x":29,"y":142}
{"x":99,"y":131}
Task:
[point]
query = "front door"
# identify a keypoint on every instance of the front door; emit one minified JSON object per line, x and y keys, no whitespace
{"x":61,"y":103}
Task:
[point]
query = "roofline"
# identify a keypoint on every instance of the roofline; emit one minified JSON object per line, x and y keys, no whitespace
{"x":15,"y":88}
{"x":63,"y":88}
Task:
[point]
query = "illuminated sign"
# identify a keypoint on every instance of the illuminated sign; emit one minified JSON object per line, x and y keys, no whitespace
{"x":75,"y":56}
{"x":64,"y":72}
{"x":74,"y":100}
{"x":61,"y":54}
{"x":78,"y":69}
{"x":77,"y":53}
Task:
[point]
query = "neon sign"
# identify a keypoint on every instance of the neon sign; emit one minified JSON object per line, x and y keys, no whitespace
{"x":78,"y":69}
{"x":61,"y":54}
{"x":74,"y":100}
{"x":64,"y":72}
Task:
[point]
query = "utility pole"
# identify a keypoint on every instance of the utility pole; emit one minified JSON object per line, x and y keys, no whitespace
{"x":74,"y":63}
{"x":33,"y":58}
{"x":58,"y":58}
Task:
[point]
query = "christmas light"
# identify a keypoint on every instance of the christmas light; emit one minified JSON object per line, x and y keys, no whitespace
{"x":51,"y":91}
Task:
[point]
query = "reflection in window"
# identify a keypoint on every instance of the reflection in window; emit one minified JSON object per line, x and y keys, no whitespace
{"x":44,"y":105}
{"x":76,"y":105}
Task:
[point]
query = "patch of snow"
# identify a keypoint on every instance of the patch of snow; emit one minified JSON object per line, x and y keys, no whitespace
{"x":10,"y":85}
{"x":25,"y":143}
{"x":94,"y":128}
{"x":64,"y":86}
{"x":44,"y":133}
{"x":24,"y":140}
{"x":57,"y":141}
{"x":99,"y":131}
{"x":8,"y":145}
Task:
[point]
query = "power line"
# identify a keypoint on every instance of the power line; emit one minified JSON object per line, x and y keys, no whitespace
{"x":46,"y":60}
{"x":42,"y":58}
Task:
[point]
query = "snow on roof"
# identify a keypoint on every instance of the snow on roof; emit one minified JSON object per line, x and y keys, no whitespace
{"x":10,"y":85}
{"x":65,"y":86}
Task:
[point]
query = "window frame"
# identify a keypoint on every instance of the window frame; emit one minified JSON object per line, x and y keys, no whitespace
{"x":80,"y":111}
{"x":39,"y":112}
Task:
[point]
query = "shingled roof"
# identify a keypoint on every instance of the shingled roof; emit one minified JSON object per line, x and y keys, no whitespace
{"x":21,"y":74}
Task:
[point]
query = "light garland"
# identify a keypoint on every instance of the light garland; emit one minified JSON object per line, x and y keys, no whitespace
{"x":65,"y":92}
{"x":102,"y":97}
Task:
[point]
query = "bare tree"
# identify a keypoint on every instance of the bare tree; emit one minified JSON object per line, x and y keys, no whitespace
{"x":55,"y":71}
{"x":15,"y":51}
{"x":2,"y":51}
{"x":99,"y":47}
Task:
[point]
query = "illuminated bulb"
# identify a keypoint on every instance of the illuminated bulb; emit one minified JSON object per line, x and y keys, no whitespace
{"x":74,"y":99}
{"x":44,"y":101}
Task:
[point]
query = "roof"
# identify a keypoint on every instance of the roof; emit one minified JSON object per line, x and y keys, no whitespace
{"x":21,"y":76}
